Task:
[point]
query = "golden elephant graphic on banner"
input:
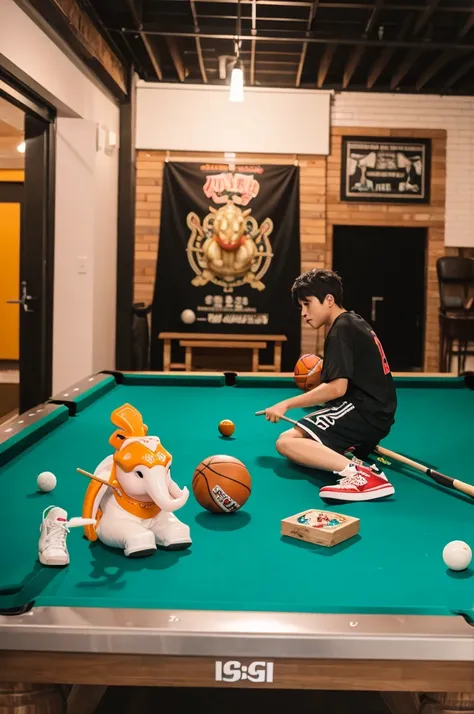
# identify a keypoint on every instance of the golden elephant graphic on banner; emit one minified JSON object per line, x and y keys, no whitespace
{"x":229,"y":248}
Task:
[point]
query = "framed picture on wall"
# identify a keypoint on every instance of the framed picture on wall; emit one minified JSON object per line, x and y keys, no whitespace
{"x":385,"y":169}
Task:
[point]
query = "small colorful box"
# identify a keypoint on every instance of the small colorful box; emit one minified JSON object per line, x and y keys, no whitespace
{"x":321,"y":527}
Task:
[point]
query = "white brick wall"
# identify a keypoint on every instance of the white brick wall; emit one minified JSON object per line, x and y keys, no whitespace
{"x":405,"y":111}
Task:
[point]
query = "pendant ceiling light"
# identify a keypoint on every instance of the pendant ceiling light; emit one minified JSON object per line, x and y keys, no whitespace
{"x":237,"y":77}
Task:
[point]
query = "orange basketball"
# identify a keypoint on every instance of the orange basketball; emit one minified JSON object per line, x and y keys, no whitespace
{"x":307,"y":372}
{"x":221,"y":484}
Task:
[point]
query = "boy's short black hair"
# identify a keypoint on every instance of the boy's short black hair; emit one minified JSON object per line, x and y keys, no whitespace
{"x":319,"y":283}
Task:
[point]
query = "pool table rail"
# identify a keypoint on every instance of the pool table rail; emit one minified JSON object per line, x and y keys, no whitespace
{"x":244,"y":634}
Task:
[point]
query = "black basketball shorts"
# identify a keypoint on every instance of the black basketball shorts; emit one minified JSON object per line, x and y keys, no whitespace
{"x":341,"y":429}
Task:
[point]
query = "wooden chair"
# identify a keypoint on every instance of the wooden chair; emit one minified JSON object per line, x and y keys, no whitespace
{"x":456,"y":311}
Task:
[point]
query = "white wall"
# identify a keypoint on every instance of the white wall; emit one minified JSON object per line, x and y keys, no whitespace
{"x":404,"y":111}
{"x":74,"y":298}
{"x":85,"y":253}
{"x":104,"y":260}
{"x":86,"y":195}
{"x":200,"y":118}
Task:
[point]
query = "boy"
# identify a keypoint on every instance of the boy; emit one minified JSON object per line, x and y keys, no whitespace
{"x":357,"y":390}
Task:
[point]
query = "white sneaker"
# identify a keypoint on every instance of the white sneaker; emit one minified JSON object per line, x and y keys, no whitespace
{"x":52,"y":548}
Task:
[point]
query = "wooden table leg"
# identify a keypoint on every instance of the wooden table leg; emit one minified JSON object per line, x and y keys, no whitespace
{"x":188,"y":359}
{"x":277,"y":357}
{"x":166,"y":355}
{"x":441,"y":350}
{"x":449,"y":353}
{"x":401,"y":702}
{"x":19,"y":698}
{"x":255,"y":362}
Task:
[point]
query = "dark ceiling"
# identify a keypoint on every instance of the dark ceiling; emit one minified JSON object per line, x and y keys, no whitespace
{"x":421,"y":46}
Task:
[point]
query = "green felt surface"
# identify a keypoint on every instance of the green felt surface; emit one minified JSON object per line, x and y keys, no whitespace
{"x":241,"y":561}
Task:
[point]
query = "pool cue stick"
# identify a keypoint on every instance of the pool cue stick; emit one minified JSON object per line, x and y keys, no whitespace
{"x":292,"y":421}
{"x":440,"y":478}
{"x":100,"y":480}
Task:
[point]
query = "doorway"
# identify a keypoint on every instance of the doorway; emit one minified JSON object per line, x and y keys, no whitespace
{"x":12,"y":167}
{"x":383,"y":272}
{"x":27,"y":244}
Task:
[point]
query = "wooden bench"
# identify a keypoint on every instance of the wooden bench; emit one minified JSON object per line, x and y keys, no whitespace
{"x":191,"y":340}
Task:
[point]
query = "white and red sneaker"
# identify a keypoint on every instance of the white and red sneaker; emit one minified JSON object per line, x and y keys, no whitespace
{"x":358,"y":483}
{"x":54,"y":528}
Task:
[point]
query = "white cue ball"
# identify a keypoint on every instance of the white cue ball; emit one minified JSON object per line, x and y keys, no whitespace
{"x":46,"y":481}
{"x":457,"y":555}
{"x":188,"y":317}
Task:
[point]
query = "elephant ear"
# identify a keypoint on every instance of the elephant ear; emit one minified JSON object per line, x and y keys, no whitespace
{"x":130,"y":423}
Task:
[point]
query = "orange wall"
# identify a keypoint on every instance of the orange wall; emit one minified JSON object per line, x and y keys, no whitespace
{"x":9,"y":272}
{"x":11,"y":175}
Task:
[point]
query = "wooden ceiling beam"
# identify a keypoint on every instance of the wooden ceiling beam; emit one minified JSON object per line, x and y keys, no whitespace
{"x":459,"y":73}
{"x":253,"y":44}
{"x":405,"y":67}
{"x":445,"y":57}
{"x":352,"y":64}
{"x":379,"y":65}
{"x":202,"y":66}
{"x":325,"y":63}
{"x":423,"y":19}
{"x":151,"y":52}
{"x":313,"y":11}
{"x":304,"y":49}
{"x":398,"y":7}
{"x":467,"y":25}
{"x":178,"y":62}
{"x":283,"y":40}
{"x":373,"y":17}
{"x":386,"y":55}
{"x":76,"y":28}
{"x":434,"y":67}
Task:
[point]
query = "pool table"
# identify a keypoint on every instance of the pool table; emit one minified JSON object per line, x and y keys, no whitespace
{"x":243,"y":606}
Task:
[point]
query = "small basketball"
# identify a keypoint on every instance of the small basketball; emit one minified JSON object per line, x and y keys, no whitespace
{"x":221,"y":484}
{"x":226,"y":427}
{"x":307,"y":371}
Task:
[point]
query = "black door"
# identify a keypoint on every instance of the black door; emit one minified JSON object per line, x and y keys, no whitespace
{"x":383,"y":272}
{"x":35,"y":289}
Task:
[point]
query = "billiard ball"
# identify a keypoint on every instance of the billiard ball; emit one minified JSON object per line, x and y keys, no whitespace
{"x":457,"y":555}
{"x":188,"y":317}
{"x":46,"y":481}
{"x":226,"y":427}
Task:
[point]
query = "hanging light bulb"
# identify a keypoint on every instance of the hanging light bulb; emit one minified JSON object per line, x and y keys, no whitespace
{"x":237,"y":83}
{"x":21,"y":147}
{"x":237,"y":77}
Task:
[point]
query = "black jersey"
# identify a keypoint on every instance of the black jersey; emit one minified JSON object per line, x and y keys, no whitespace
{"x":353,"y":351}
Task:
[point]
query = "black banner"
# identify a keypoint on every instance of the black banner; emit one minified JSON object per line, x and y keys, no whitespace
{"x":385,"y":169}
{"x":229,"y":251}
